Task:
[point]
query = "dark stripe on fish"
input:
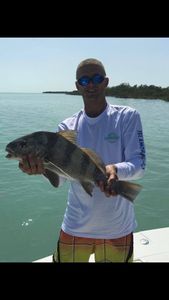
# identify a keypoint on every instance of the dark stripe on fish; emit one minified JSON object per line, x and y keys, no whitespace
{"x":84,"y":164}
{"x":98,"y":174}
{"x":68,"y":154}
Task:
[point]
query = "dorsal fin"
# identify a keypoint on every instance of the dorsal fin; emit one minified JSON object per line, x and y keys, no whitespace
{"x":70,"y":135}
{"x":96,"y":159}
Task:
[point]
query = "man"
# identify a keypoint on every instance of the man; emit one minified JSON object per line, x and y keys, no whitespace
{"x":104,"y":223}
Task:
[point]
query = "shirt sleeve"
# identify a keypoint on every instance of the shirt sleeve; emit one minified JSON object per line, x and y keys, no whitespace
{"x":134,"y":156}
{"x":62,"y":126}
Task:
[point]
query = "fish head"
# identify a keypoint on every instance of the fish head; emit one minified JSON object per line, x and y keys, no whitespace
{"x":34,"y":144}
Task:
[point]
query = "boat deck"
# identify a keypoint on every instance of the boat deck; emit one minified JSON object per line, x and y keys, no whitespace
{"x":149,"y":246}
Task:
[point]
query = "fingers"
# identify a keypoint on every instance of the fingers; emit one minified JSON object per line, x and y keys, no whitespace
{"x":32,"y":165}
{"x":101,"y":184}
{"x":111,"y":172}
{"x":109,"y":191}
{"x":107,"y":187}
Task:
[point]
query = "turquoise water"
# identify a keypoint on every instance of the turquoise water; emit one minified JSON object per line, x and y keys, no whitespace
{"x":31,"y":210}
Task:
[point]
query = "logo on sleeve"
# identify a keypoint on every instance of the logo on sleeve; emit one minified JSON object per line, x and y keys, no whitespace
{"x":142,"y":148}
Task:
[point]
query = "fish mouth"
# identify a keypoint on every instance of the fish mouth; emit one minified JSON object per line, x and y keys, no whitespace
{"x":10,"y":153}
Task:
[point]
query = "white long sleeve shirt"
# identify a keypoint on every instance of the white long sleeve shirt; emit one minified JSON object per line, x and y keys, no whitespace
{"x":116,"y":136}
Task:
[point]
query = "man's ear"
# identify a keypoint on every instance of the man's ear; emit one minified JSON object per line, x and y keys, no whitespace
{"x":77,"y":86}
{"x":106,"y":81}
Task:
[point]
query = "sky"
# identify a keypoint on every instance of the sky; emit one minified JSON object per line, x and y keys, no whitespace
{"x":37,"y":64}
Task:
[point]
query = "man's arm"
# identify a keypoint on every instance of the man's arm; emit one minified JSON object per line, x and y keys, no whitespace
{"x":134,"y":156}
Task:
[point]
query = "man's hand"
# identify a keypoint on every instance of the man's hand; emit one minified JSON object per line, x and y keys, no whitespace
{"x":111,"y":173}
{"x":31,"y":165}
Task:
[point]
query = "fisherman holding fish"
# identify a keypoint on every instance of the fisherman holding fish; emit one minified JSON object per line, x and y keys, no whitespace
{"x":99,"y":149}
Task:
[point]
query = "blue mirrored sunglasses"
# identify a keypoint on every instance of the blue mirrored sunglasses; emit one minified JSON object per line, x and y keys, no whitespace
{"x":96,"y":79}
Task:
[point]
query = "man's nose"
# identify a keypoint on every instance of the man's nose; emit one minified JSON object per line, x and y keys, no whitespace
{"x":90,"y":84}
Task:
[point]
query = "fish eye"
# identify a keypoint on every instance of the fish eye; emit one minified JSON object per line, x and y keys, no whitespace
{"x":22,"y":144}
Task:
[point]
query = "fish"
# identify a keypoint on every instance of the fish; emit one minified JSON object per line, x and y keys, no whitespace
{"x":62,"y":157}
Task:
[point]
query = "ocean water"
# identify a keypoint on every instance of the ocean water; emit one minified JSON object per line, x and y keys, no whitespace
{"x":31,"y":210}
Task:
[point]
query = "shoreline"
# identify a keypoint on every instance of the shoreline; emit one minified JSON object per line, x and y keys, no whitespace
{"x":126,"y":91}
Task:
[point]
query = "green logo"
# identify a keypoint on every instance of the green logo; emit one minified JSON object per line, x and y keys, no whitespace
{"x":111,"y":137}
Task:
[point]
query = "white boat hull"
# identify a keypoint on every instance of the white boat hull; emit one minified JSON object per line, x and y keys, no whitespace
{"x":149,"y":246}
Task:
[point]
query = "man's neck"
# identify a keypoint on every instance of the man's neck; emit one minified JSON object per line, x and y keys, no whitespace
{"x":94,"y":111}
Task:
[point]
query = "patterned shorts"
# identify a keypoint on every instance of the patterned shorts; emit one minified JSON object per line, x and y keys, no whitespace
{"x":78,"y":249}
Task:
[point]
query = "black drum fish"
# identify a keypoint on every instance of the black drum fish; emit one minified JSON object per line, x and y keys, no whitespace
{"x":63,"y":157}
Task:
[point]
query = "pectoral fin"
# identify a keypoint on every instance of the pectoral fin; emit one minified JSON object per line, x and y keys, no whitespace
{"x":52,"y":177}
{"x":88,"y":187}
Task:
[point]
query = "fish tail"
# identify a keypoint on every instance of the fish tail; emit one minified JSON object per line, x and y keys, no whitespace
{"x":127,"y":189}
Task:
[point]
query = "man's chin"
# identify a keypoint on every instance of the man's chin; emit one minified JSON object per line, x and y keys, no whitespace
{"x":91,"y":95}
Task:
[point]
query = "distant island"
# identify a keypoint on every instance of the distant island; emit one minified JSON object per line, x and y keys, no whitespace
{"x":124,"y":90}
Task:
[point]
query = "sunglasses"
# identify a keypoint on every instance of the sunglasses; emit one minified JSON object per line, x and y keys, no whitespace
{"x":96,"y":79}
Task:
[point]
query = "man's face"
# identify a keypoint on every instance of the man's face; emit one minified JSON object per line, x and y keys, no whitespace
{"x":92,"y":89}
